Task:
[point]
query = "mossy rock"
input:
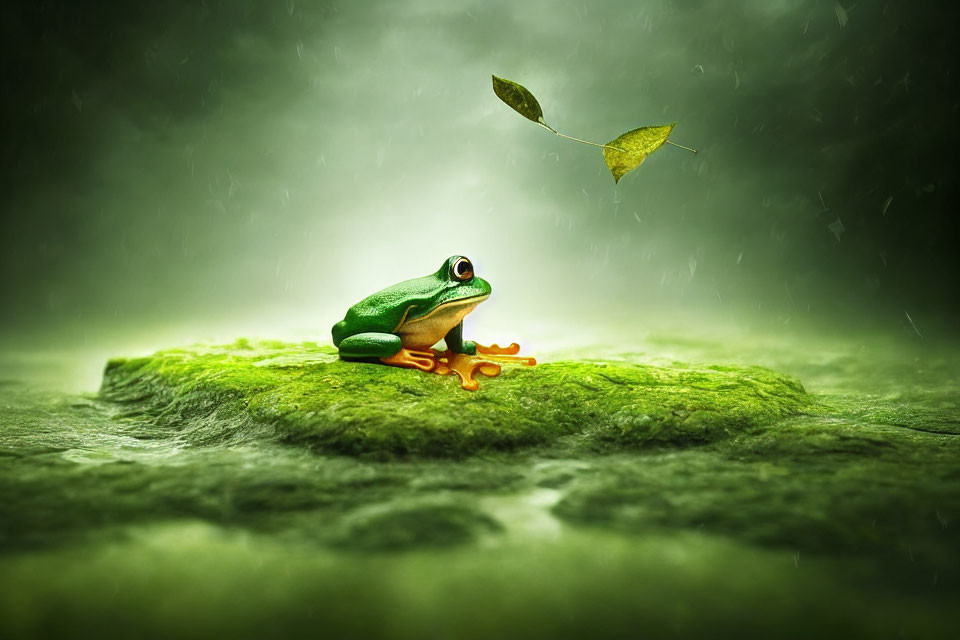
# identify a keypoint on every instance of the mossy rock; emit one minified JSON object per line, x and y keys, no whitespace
{"x":304,"y":393}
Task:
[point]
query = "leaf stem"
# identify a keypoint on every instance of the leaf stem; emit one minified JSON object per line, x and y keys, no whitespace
{"x":595,"y":144}
{"x":681,"y":146}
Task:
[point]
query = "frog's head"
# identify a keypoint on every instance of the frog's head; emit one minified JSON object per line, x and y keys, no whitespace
{"x":444,"y":298}
{"x":458,"y":282}
{"x":423,"y":310}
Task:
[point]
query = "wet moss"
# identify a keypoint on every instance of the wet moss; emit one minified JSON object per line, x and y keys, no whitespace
{"x":815,"y":485}
{"x":303,"y":393}
{"x":846,"y":511}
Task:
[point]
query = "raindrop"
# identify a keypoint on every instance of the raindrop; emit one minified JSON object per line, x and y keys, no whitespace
{"x":824,"y":204}
{"x":886,"y":205}
{"x":841,"y":15}
{"x":912,"y":324}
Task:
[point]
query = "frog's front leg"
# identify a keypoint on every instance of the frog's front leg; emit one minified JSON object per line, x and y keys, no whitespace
{"x":467,"y":358}
{"x":388,"y":348}
{"x":457,"y":344}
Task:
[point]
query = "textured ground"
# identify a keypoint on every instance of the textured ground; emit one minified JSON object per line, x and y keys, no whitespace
{"x":260,"y":489}
{"x":305,"y":393}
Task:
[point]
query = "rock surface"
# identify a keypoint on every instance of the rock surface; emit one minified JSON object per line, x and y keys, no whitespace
{"x":197,"y":496}
{"x":305,"y":393}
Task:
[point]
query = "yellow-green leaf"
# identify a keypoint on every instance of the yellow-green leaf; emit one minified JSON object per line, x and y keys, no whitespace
{"x":518,"y":98}
{"x":628,"y":152}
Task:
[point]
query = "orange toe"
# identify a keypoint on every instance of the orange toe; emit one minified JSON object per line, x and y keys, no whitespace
{"x":496,"y":349}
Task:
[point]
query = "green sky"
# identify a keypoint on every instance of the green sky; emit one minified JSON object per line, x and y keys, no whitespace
{"x":185,"y":170}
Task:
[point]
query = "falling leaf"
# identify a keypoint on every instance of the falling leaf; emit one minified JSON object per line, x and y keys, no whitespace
{"x":628,"y":152}
{"x":519,"y":99}
{"x":622,"y":155}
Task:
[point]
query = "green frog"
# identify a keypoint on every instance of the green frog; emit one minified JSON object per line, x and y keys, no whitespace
{"x":399,"y":325}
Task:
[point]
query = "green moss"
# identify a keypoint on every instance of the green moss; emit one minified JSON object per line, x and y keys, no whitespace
{"x":838,"y":520}
{"x":814,"y":485}
{"x":304,"y":393}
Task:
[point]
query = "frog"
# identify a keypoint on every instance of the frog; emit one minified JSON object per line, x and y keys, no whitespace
{"x":400,"y":325}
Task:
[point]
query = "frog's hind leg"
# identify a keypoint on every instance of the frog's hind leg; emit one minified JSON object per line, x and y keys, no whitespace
{"x":387,"y":348}
{"x":361,"y":346}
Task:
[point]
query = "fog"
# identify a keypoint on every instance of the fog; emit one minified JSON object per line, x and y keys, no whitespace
{"x":179,"y":171}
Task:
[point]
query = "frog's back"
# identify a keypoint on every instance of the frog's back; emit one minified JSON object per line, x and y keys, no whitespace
{"x":384,"y":311}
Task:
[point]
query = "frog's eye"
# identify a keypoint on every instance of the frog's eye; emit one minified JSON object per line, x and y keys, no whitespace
{"x":461,"y":269}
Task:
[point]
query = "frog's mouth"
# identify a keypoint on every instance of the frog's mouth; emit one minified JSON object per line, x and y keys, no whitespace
{"x":460,"y":307}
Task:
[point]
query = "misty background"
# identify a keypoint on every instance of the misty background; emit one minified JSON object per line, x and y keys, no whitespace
{"x":177,"y":171}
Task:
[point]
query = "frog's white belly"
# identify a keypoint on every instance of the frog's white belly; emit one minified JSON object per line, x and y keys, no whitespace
{"x":426,"y":331}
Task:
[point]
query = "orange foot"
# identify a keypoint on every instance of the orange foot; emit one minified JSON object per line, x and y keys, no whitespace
{"x":412,"y":359}
{"x":496,"y":349}
{"x":505,"y":354}
{"x":485,"y":362}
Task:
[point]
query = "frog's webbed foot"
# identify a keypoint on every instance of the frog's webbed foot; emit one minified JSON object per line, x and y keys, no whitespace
{"x":496,"y":349}
{"x":412,"y":359}
{"x":486,"y":362}
{"x":466,"y":367}
{"x":504,"y":354}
